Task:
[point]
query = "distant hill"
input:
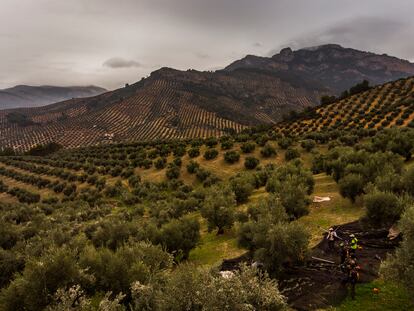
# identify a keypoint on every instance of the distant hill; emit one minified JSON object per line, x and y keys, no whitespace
{"x":187,"y":104}
{"x":35,"y":96}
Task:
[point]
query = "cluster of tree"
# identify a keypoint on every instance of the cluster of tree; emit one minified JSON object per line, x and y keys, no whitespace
{"x":356,"y":89}
{"x":292,"y":184}
{"x":24,"y":196}
{"x":185,"y":287}
{"x":375,"y":170}
{"x":44,"y":150}
{"x":269,"y":235}
{"x":20,"y":119}
{"x":398,"y":266}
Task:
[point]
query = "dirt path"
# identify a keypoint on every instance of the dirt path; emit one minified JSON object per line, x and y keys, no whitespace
{"x":317,"y":284}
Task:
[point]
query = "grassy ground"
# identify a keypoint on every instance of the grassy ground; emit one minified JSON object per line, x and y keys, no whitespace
{"x":325,"y":214}
{"x":213,"y":248}
{"x":390,"y":297}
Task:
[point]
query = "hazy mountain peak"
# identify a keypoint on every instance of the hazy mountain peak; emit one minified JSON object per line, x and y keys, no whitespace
{"x":35,"y":96}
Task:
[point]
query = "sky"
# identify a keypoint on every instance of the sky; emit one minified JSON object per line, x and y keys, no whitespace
{"x":112,"y":42}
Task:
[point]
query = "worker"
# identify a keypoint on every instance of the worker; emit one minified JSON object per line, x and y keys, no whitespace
{"x":331,"y":236}
{"x":344,"y":252}
{"x":353,"y":279}
{"x":353,"y":243}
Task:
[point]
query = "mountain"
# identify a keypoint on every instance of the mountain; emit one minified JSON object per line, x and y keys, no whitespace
{"x":35,"y":96}
{"x":333,"y":66}
{"x":187,"y":104}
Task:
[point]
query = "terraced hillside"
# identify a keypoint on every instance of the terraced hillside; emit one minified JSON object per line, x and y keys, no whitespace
{"x":169,"y":104}
{"x":174,"y":104}
{"x":385,"y":106}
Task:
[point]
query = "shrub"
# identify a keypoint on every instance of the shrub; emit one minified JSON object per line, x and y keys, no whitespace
{"x":383,"y":208}
{"x":116,"y":171}
{"x":285,"y":142}
{"x":180,"y":236}
{"x":194,"y":152}
{"x":112,"y":191}
{"x":69,"y":190}
{"x":248,"y":147}
{"x":308,"y":144}
{"x":227,"y":144}
{"x":211,"y":142}
{"x":33,"y":289}
{"x":179,"y":151}
{"x":292,"y":194}
{"x":192,"y":167}
{"x":210,"y":154}
{"x":126,"y":173}
{"x":272,"y":240}
{"x":177,"y":162}
{"x":160,"y":163}
{"x":291,"y":154}
{"x":231,"y":157}
{"x":268,"y":151}
{"x":173,"y":172}
{"x":247,"y":289}
{"x":3,"y":187}
{"x":134,"y":180}
{"x":408,"y":181}
{"x":351,"y":186}
{"x":202,"y":174}
{"x":242,"y":186}
{"x":398,"y":267}
{"x":251,"y":163}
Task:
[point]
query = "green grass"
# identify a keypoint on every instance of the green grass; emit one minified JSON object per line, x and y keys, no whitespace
{"x":390,"y":297}
{"x":325,"y":214}
{"x":213,"y":248}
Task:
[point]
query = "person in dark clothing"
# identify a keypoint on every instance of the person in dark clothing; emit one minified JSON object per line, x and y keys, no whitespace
{"x":352,"y":280}
{"x":344,"y":252}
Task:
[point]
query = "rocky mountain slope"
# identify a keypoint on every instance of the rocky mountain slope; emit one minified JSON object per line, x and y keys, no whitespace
{"x":35,"y":96}
{"x":187,"y":104}
{"x":333,"y":66}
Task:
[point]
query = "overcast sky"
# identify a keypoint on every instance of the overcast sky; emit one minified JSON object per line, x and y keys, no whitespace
{"x":113,"y":42}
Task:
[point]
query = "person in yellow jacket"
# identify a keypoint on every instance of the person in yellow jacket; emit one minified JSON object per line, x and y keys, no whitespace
{"x":353,"y":244}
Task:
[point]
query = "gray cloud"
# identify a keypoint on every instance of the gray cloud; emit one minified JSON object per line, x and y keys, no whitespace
{"x":117,"y":62}
{"x":64,"y":42}
{"x":202,"y":55}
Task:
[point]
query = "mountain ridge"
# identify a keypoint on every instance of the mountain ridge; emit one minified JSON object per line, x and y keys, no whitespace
{"x":34,"y":96}
{"x":175,"y":104}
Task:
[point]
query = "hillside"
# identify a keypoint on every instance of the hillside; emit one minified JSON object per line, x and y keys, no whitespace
{"x":35,"y":96}
{"x":384,"y":106}
{"x":168,"y":104}
{"x":173,"y":104}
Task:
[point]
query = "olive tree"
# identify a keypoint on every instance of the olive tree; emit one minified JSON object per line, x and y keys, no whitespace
{"x":218,"y":208}
{"x":351,"y":186}
{"x":399,"y":266}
